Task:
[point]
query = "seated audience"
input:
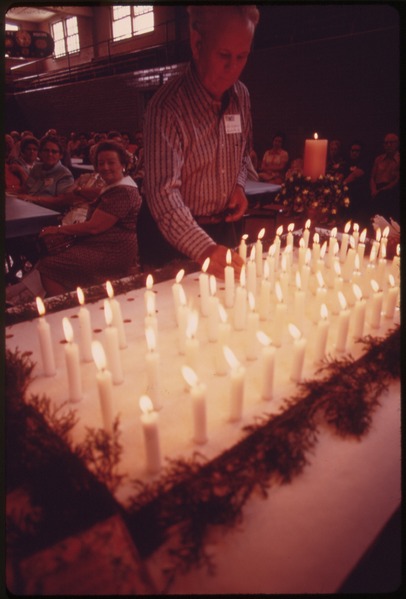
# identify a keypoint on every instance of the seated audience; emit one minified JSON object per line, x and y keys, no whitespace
{"x":295,"y":168}
{"x":73,"y":144}
{"x":106,"y":245}
{"x":335,"y":159}
{"x":355,"y":178}
{"x":274,"y":162}
{"x":49,"y":177}
{"x":384,"y":181}
{"x":26,"y":159}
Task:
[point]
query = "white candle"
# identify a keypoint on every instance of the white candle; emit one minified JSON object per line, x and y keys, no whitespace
{"x":213,"y":316}
{"x":229,"y":281}
{"x":301,"y":254}
{"x":391,"y":297}
{"x":240,"y":305}
{"x":259,"y":252}
{"x":117,"y":320}
{"x":192,"y":343}
{"x":221,"y":365}
{"x":299,"y":347}
{"x":306,"y":233}
{"x":344,"y":242}
{"x":305,"y":270}
{"x":252,"y":273}
{"x":343,"y":324}
{"x":315,"y":251}
{"x":267,"y":365}
{"x":198,"y":394}
{"x":315,"y":157}
{"x":45,"y":341}
{"x":152,"y":363}
{"x":376,"y":244}
{"x":358,"y":313}
{"x":85,"y":328}
{"x":289,"y":236}
{"x":150,"y":320}
{"x":182,"y":319}
{"x":338,"y":285}
{"x":384,"y":242}
{"x":331,"y":246}
{"x":237,"y":383}
{"x":284,"y":277}
{"x":149,"y":421}
{"x":252,"y":328}
{"x":242,"y":250}
{"x":277,"y":243}
{"x":271,"y":264}
{"x":369,"y":274}
{"x":395,"y":265}
{"x":280,"y":315}
{"x":204,"y":288}
{"x":376,"y":308}
{"x":72,"y":362}
{"x":348,"y":266}
{"x":321,"y":297}
{"x":149,"y":295}
{"x":361,"y":246}
{"x":299,"y":303}
{"x":381,"y":268}
{"x":355,"y":234}
{"x":265,"y":294}
{"x":176,"y":290}
{"x":104,"y":386}
{"x":321,"y":334}
{"x":112,"y":346}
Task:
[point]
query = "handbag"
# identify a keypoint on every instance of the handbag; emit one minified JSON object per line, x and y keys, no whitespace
{"x":52,"y":244}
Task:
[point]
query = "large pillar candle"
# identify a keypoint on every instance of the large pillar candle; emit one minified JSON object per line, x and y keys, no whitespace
{"x":315,"y":157}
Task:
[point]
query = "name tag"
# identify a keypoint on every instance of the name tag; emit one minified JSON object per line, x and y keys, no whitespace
{"x":232,"y":123}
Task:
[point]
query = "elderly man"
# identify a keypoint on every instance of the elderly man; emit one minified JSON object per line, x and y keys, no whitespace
{"x":197,"y":128}
{"x":384,"y":182}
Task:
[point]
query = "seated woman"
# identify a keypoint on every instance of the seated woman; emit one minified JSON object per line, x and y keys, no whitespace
{"x":274,"y":162}
{"x":106,"y":245}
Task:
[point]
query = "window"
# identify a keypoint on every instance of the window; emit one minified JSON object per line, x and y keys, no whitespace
{"x":132,"y":20}
{"x":10,"y":27}
{"x":66,"y":37}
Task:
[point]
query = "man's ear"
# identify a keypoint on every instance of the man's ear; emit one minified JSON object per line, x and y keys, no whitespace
{"x":195,"y":43}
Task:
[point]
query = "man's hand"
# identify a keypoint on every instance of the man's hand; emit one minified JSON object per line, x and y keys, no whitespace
{"x":237,"y":205}
{"x":218,"y":261}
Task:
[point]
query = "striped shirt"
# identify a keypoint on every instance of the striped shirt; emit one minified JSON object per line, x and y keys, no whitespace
{"x":192,"y":164}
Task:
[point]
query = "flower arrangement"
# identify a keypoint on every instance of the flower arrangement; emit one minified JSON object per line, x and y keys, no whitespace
{"x":325,"y":196}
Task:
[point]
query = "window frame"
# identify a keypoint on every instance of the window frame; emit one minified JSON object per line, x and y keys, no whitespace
{"x":66,"y":37}
{"x":133,"y":17}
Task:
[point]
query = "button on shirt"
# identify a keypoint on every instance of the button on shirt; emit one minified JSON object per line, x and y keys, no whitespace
{"x":192,"y":164}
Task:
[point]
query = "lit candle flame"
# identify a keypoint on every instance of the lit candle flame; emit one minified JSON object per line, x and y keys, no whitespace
{"x":228,"y":257}
{"x":385,"y":232}
{"x":316,"y":238}
{"x":192,"y":323}
{"x":323,"y":249}
{"x":298,"y":281}
{"x":272,"y":250}
{"x":333,"y":232}
{"x":213,"y":285}
{"x":251,"y":301}
{"x":109,"y":289}
{"x":320,"y":279}
{"x":180,"y":275}
{"x":150,"y":281}
{"x":316,"y":136}
{"x":308,"y":223}
{"x":244,"y":237}
{"x":190,"y":376}
{"x":355,"y":227}
{"x":363,"y":236}
{"x":40,"y":306}
{"x":378,"y":234}
{"x":357,"y":291}
{"x":108,"y":313}
{"x":263,"y":338}
{"x":230,"y":358}
{"x":294,"y":331}
{"x":223,"y":313}
{"x":347,"y":227}
{"x":291,"y":226}
{"x":67,"y":329}
{"x":374,"y":285}
{"x":342,"y":300}
{"x":81,"y":296}
{"x":261,"y":233}
{"x":391,"y":280}
{"x":278,"y":292}
{"x":98,"y":354}
{"x":146,"y":404}
{"x":150,"y":337}
{"x":205,"y":265}
{"x":279,"y":230}
{"x":323,"y":311}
